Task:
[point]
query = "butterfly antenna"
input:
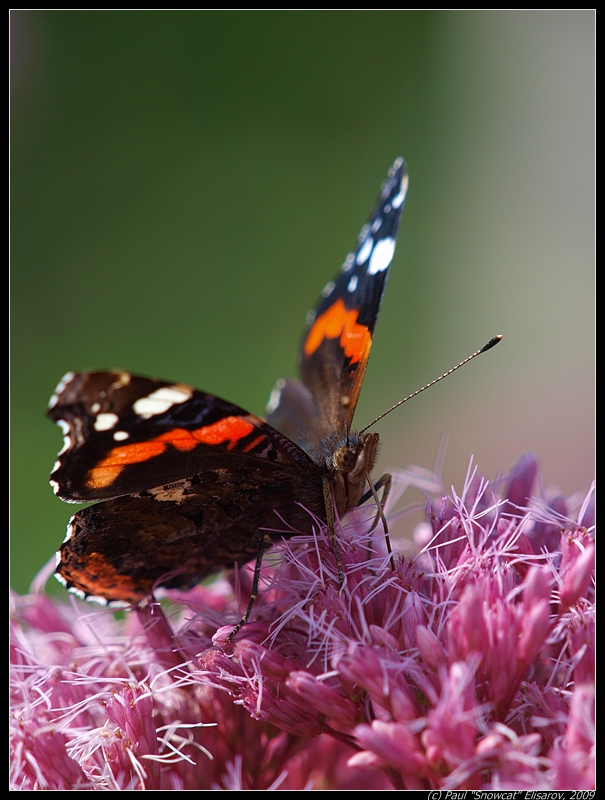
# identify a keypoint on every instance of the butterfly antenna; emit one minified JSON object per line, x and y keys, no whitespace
{"x":492,"y":343}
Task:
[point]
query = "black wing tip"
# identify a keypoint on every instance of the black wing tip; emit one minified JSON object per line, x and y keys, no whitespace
{"x":398,"y":171}
{"x":395,"y":187}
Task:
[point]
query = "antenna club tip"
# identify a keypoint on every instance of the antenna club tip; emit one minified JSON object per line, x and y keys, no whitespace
{"x":492,"y":343}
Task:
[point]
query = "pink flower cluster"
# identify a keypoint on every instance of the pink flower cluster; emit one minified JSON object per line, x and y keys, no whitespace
{"x":469,"y":667}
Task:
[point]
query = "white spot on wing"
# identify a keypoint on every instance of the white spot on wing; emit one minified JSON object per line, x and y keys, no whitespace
{"x":95,"y":408}
{"x":78,"y":592}
{"x":66,"y":431}
{"x":275,"y":396}
{"x":363,"y":233}
{"x":102,"y":601}
{"x":365,"y":251}
{"x":382,"y":256}
{"x":69,"y":532}
{"x":59,"y":388}
{"x":119,"y":436}
{"x":398,"y":200}
{"x":104,"y":422}
{"x":348,"y":263}
{"x":352,"y":283}
{"x":122,"y":379}
{"x":59,"y":577}
{"x":161,"y":400}
{"x":328,"y":289}
{"x":93,"y":598}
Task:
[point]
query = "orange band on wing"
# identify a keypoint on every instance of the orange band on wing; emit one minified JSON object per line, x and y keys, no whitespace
{"x":229,"y":429}
{"x":101,"y":579}
{"x":355,"y":339}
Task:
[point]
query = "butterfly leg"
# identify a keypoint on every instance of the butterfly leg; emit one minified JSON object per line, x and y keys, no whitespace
{"x":331,"y":520}
{"x":253,"y":594}
{"x":383,"y":483}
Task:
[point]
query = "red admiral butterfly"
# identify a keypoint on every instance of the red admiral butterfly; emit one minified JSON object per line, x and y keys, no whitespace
{"x":190,"y":483}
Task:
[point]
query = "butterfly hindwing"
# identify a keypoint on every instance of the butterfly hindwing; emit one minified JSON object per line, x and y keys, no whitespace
{"x":175,"y":535}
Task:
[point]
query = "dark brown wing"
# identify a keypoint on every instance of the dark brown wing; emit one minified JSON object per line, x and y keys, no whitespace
{"x":121,"y":549}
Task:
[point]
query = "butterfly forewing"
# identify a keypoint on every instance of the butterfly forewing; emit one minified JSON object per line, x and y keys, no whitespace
{"x":124,"y":434}
{"x":336,"y":343}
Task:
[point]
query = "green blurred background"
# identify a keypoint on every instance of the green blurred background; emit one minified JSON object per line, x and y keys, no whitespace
{"x":184,"y":183}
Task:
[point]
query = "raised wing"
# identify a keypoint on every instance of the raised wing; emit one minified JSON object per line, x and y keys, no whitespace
{"x":336,"y":343}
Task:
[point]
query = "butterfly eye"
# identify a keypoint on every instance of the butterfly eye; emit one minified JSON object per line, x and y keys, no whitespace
{"x":345,"y":459}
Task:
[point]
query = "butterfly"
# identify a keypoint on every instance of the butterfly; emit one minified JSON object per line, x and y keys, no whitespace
{"x":185,"y":483}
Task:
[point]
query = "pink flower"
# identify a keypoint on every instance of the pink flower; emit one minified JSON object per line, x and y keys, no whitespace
{"x":470,"y":667}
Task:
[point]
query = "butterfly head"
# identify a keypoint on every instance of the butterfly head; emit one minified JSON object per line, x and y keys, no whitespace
{"x":349,"y":464}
